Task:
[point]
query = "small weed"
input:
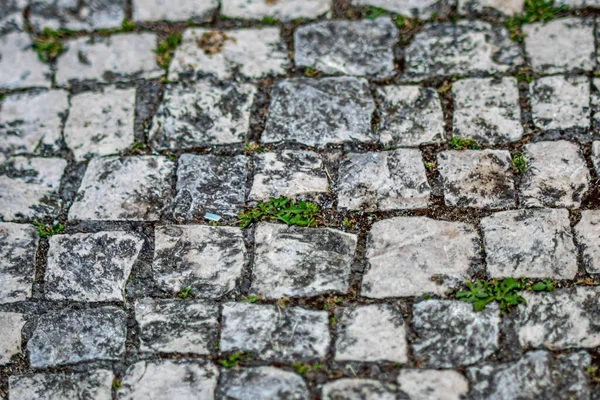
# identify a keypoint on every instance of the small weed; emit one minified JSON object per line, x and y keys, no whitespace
{"x":232,"y":360}
{"x":317,"y":367}
{"x":172,"y":157}
{"x":250,"y":299}
{"x":430,"y":165}
{"x":185,"y":293}
{"x":116,"y":384}
{"x":596,"y":74}
{"x":268,"y":20}
{"x":587,"y":282}
{"x":524,"y":75}
{"x":283,"y":302}
{"x":545,"y":286}
{"x":445,"y":88}
{"x":137,"y":147}
{"x":534,"y":11}
{"x":216,"y":345}
{"x":505,"y":292}
{"x":375,"y":12}
{"x":310,"y":72}
{"x":594,"y":373}
{"x":48,"y":230}
{"x":127,"y":25}
{"x":457,"y":143}
{"x":252,"y":148}
{"x":347,"y":222}
{"x":166,"y":49}
{"x":300,"y":213}
{"x":48,"y":43}
{"x":301,"y":369}
{"x":519,"y":164}
{"x":333,"y":320}
{"x":397,"y":364}
{"x":405,"y":24}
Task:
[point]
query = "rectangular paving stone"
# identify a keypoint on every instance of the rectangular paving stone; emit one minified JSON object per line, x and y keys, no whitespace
{"x":208,"y":259}
{"x":262,"y":383}
{"x":202,"y":114}
{"x":83,"y":15}
{"x":209,"y":183}
{"x":11,"y":15}
{"x":11,"y":325}
{"x":95,"y":384}
{"x":432,"y":384}
{"x":407,"y":255}
{"x":382,"y":181}
{"x":367,"y":389}
{"x":477,"y":178}
{"x":506,"y":7}
{"x":251,"y":53}
{"x":100,"y":123}
{"x":363,"y":47}
{"x":284,"y":10}
{"x":534,"y":243}
{"x":18,"y":246}
{"x":16,"y":49}
{"x":123,"y":189}
{"x":29,"y":188}
{"x":316,"y":112}
{"x":301,"y":262}
{"x":422,"y":9}
{"x":271,"y":333}
{"x":175,"y":326}
{"x":173,"y":10}
{"x":73,"y":336}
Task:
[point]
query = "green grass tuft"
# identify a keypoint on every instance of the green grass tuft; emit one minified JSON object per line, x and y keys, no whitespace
{"x":48,"y":44}
{"x":300,"y":213}
{"x":185,"y":293}
{"x":233,"y":360}
{"x":534,"y":11}
{"x":166,"y":48}
{"x":48,"y":230}
{"x":519,"y":164}
{"x":375,"y":12}
{"x":482,"y":293}
{"x":457,"y":143}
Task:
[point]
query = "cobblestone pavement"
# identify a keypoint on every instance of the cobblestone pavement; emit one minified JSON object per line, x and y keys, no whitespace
{"x":126,"y":129}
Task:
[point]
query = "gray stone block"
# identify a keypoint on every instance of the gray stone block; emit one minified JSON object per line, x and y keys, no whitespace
{"x":18,"y":246}
{"x":95,"y":385}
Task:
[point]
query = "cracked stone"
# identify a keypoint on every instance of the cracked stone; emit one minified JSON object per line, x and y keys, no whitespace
{"x":77,"y":16}
{"x":530,"y":243}
{"x":11,"y":15}
{"x":422,"y":9}
{"x":95,"y":384}
{"x":288,"y":334}
{"x":487,"y":110}
{"x":316,"y":112}
{"x":90,"y":266}
{"x":423,"y":384}
{"x":100,"y":123}
{"x":506,"y":7}
{"x":10,"y":335}
{"x":587,"y":232}
{"x":284,"y":10}
{"x":363,"y":47}
{"x":18,"y":245}
{"x":451,"y":334}
{"x":364,"y":389}
{"x":301,"y":262}
{"x":202,"y":114}
{"x":123,"y":189}
{"x":73,"y":336}
{"x":411,"y":256}
{"x":169,"y":10}
{"x":477,"y":178}
{"x":556,"y":175}
{"x":266,"y":383}
{"x":16,"y":49}
{"x":252,"y":53}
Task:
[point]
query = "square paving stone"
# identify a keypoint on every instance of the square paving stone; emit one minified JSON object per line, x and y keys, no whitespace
{"x":123,"y":189}
{"x":530,"y":243}
{"x":587,"y":232}
{"x":95,"y":385}
{"x":100,"y":123}
{"x":422,"y":9}
{"x":477,"y":178}
{"x":106,"y":59}
{"x":573,"y":36}
{"x":285,"y":10}
{"x":16,"y":49}
{"x":382,"y":181}
{"x":316,"y":112}
{"x":262,"y":383}
{"x":301,"y":262}
{"x":202,"y":114}
{"x":80,"y":15}
{"x":364,"y":389}
{"x":252,"y":53}
{"x":363,"y":47}
{"x":288,"y":173}
{"x":506,"y":7}
{"x":18,"y":245}
{"x":433,"y":384}
{"x":451,"y":334}
{"x":169,"y":10}
{"x":370,"y":333}
{"x":407,"y":255}
{"x":31,"y":122}
{"x":29,"y":188}
{"x":272,"y":333}
{"x":174,"y":379}
{"x":74,"y":336}
{"x":207,"y":259}
{"x":90,"y":266}
{"x":10,"y":335}
{"x":556,"y":175}
{"x":175,"y":326}
{"x":467,"y":48}
{"x":487,"y":110}
{"x":11,"y":15}
{"x":409,"y":116}
{"x":209,"y":183}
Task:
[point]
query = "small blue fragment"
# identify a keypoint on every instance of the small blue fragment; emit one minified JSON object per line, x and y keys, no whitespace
{"x":212,"y":217}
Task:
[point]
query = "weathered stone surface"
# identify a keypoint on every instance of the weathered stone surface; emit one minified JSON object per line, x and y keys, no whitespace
{"x":406,"y":254}
{"x":477,"y":178}
{"x":29,"y":187}
{"x":487,"y":110}
{"x":575,"y":38}
{"x":363,"y":47}
{"x":451,"y":334}
{"x":587,"y":232}
{"x":556,"y":175}
{"x":506,"y":7}
{"x":107,"y":59}
{"x":266,"y":383}
{"x":16,"y":49}
{"x":364,"y":389}
{"x":422,"y":9}
{"x":467,"y":48}
{"x":432,"y":384}
{"x":202,"y":114}
{"x":82,"y":15}
{"x":90,"y":266}
{"x":284,"y":10}
{"x":561,"y":103}
{"x":175,"y":326}
{"x":370,"y":333}
{"x":301,"y":262}
{"x":409,"y":116}
{"x":388,"y":180}
{"x":530,"y":243}
{"x":207,"y":259}
{"x":173,"y":379}
{"x":89,"y":385}
{"x":73,"y":336}
{"x":288,"y":173}
{"x":123,"y":189}
{"x":316,"y":112}
{"x":18,"y":245}
{"x":288,"y":334}
{"x":100,"y":123}
{"x":252,"y":53}
{"x":10,"y":335}
{"x":596,"y":156}
{"x":169,"y":10}
{"x":209,"y":183}
{"x":11,"y":15}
